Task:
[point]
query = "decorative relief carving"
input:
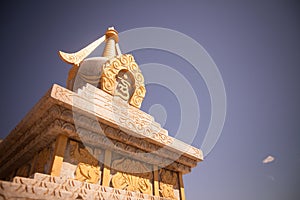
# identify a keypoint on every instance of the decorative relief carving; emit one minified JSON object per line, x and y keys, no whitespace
{"x":63,"y":94}
{"x":66,"y":114}
{"x":168,"y":181}
{"x":50,"y":187}
{"x":42,"y":126}
{"x":125,"y":147}
{"x":124,"y":85}
{"x":111,"y":69}
{"x":77,"y":57}
{"x":87,"y":173}
{"x":140,"y":122}
{"x":138,"y":96}
{"x":88,"y":168}
{"x":135,"y":176}
{"x":163,"y":138}
{"x":84,"y":154}
{"x":131,"y":183}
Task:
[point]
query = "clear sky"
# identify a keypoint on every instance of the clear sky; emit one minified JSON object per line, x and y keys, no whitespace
{"x":255,"y":45}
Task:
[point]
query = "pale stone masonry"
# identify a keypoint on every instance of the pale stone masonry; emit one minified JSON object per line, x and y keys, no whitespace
{"x":53,"y":120}
{"x":93,"y":141}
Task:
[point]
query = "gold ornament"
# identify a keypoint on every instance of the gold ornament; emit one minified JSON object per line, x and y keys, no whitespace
{"x":132,"y":182}
{"x":111,"y":69}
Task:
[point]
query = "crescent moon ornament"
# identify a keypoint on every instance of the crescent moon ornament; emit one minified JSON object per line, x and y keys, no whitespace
{"x":77,"y":57}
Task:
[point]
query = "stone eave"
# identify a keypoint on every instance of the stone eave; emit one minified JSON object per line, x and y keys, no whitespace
{"x":54,"y":114}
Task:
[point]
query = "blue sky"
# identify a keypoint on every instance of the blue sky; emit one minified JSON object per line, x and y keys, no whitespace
{"x":255,"y":45}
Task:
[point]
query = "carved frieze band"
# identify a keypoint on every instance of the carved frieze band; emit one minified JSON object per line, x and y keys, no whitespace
{"x":87,"y":173}
{"x":43,"y":139}
{"x":7,"y":153}
{"x":132,"y":176}
{"x":34,"y":136}
{"x":136,"y":144}
{"x":87,"y":126}
{"x":49,"y":187}
{"x":136,"y":122}
{"x":102,"y":141}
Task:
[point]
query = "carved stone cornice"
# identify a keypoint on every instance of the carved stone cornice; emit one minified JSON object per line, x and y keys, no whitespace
{"x":118,"y":113}
{"x":91,"y":116}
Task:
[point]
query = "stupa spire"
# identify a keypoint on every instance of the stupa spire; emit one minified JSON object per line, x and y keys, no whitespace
{"x":111,"y":41}
{"x":111,"y":48}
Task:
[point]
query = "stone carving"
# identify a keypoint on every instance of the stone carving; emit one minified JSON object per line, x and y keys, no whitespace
{"x":139,"y":182}
{"x":55,"y":116}
{"x":94,"y":138}
{"x":84,"y":154}
{"x":50,"y":187}
{"x":87,"y":173}
{"x":169,"y":180}
{"x":77,"y":58}
{"x":124,"y":85}
{"x":112,"y":68}
{"x":63,"y":94}
{"x":31,"y":131}
{"x":131,"y":183}
{"x":132,"y":119}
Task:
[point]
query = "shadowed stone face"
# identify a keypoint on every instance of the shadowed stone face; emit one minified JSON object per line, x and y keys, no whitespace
{"x":89,"y":71}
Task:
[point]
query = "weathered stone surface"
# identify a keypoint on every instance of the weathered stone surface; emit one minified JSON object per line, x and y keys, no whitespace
{"x":97,"y":119}
{"x":89,"y":143}
{"x":89,"y":71}
{"x":116,"y":112}
{"x":48,"y":187}
{"x":92,"y":123}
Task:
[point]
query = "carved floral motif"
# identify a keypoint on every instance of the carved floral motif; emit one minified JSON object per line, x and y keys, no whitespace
{"x":168,"y":181}
{"x":132,"y":182}
{"x":87,"y":173}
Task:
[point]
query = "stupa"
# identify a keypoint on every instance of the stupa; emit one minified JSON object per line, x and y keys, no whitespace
{"x":90,"y":140}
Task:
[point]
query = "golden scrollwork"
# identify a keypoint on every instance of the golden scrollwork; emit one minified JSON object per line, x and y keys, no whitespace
{"x":111,"y":69}
{"x":140,"y":182}
{"x":168,"y":181}
{"x":87,"y":173}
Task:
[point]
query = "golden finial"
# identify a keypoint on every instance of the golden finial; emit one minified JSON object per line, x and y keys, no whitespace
{"x":112,"y":33}
{"x":111,"y":36}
